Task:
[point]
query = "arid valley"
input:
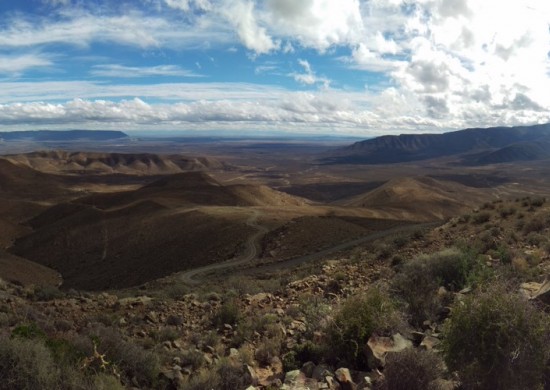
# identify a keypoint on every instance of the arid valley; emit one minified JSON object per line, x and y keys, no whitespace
{"x":228,"y":263}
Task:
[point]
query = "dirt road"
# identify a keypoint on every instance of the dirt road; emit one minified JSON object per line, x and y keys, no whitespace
{"x":252,"y":249}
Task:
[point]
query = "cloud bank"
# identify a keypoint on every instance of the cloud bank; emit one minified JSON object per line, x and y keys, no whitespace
{"x":441,"y":64}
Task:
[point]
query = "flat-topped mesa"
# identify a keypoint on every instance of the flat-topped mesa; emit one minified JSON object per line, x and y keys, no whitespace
{"x":63,"y":135}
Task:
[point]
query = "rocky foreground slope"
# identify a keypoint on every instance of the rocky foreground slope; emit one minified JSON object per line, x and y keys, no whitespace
{"x":461,"y":305}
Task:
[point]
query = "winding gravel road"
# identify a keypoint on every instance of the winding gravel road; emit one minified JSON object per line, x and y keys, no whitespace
{"x":252,"y":249}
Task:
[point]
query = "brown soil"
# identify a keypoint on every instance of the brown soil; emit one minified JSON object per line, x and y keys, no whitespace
{"x":20,"y":271}
{"x":420,"y":196}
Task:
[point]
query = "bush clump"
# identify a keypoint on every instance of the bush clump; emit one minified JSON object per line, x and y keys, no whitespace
{"x":359,"y":318}
{"x":412,"y":369}
{"x":481,"y":217}
{"x":227,"y":375}
{"x":228,"y":313}
{"x":27,"y":364}
{"x":419,"y":279}
{"x":496,"y":340}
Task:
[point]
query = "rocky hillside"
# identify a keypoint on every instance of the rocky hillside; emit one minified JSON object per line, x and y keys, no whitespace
{"x":425,"y":310}
{"x":59,"y":161}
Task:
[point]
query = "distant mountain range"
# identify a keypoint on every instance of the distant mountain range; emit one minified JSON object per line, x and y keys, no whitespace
{"x":475,"y":146}
{"x":63,"y":135}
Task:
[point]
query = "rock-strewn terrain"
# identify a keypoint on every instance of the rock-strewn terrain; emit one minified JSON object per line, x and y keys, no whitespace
{"x":382,"y":316}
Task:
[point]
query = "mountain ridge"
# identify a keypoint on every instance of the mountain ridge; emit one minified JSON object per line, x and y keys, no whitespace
{"x":416,"y":147}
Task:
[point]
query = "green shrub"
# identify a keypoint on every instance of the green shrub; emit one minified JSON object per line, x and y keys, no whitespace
{"x":232,"y":376}
{"x":419,"y":279}
{"x":129,"y":357}
{"x":193,"y":358}
{"x":227,"y":375}
{"x":496,"y":340}
{"x":535,"y":239}
{"x":416,"y":286}
{"x":465,"y":218}
{"x":538,"y":202}
{"x":47,"y":293}
{"x":507,"y":211}
{"x":502,"y":253}
{"x":316,"y":312}
{"x":400,"y":241}
{"x":309,"y":352}
{"x":412,"y":369}
{"x":26,"y":364}
{"x":358,"y":318}
{"x":267,"y":350}
{"x":481,"y":217}
{"x":228,"y":313}
{"x":28,"y":331}
{"x":166,"y":334}
{"x":290,"y":361}
{"x":536,"y":225}
{"x":31,"y":360}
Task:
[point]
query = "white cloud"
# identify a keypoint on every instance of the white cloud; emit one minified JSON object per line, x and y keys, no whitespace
{"x":247,"y":107}
{"x":241,"y":15}
{"x":316,"y":23}
{"x":444,"y":63}
{"x":187,"y":5}
{"x":57,"y":2}
{"x":308,"y":76}
{"x":121,"y":71}
{"x":81,"y":28}
{"x":16,"y":64}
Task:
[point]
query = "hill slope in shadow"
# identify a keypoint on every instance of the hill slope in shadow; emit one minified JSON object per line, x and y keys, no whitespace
{"x":95,"y":249}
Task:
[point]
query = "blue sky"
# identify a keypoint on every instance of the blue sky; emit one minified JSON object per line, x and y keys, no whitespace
{"x":312,"y":66}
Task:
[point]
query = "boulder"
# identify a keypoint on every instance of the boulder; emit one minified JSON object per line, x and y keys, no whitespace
{"x":251,"y":375}
{"x":378,"y":347}
{"x":536,"y":291}
{"x":343,"y":376}
{"x":295,"y":380}
{"x":308,"y":369}
{"x":429,"y":342}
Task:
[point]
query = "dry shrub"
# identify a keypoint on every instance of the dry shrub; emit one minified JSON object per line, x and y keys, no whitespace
{"x":412,"y":369}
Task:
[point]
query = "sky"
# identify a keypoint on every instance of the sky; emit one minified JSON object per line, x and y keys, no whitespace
{"x":348,"y":67}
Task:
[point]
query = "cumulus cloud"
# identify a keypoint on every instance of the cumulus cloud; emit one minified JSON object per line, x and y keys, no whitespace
{"x":245,"y":108}
{"x":317,"y":24}
{"x":443,"y":63}
{"x":308,"y":76}
{"x":241,"y":15}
